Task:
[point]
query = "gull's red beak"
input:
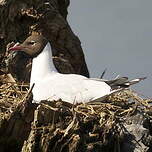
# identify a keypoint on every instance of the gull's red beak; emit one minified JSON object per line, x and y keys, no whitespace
{"x":15,"y":48}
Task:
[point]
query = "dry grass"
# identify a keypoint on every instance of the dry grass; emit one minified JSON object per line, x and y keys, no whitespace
{"x":11,"y":94}
{"x":117,"y":106}
{"x":106,"y":117}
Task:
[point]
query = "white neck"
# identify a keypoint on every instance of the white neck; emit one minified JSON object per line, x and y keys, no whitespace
{"x":42,"y":65}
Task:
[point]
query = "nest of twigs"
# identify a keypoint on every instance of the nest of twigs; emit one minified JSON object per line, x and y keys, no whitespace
{"x":61,"y":126}
{"x":11,"y":94}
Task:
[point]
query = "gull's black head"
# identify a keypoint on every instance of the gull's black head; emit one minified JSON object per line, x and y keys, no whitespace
{"x":32,"y":46}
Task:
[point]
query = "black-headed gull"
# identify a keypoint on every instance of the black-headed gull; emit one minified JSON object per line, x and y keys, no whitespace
{"x":52,"y":85}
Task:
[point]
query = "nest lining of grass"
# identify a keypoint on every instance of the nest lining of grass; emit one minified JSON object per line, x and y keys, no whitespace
{"x":117,"y":105}
{"x":98,"y":123}
{"x":11,"y":94}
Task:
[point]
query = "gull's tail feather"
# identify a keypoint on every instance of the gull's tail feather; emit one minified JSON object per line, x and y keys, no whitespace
{"x":134,"y":81}
{"x":121,"y":82}
{"x":124,"y":82}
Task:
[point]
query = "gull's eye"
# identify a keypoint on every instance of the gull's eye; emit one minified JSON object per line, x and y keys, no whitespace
{"x":31,"y":42}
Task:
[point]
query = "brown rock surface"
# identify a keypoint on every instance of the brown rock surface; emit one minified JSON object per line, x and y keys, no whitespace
{"x":18,"y":19}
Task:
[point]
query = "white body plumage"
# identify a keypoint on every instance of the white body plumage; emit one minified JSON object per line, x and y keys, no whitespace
{"x":49,"y":84}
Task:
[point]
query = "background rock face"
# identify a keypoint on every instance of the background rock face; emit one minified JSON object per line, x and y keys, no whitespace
{"x":18,"y":19}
